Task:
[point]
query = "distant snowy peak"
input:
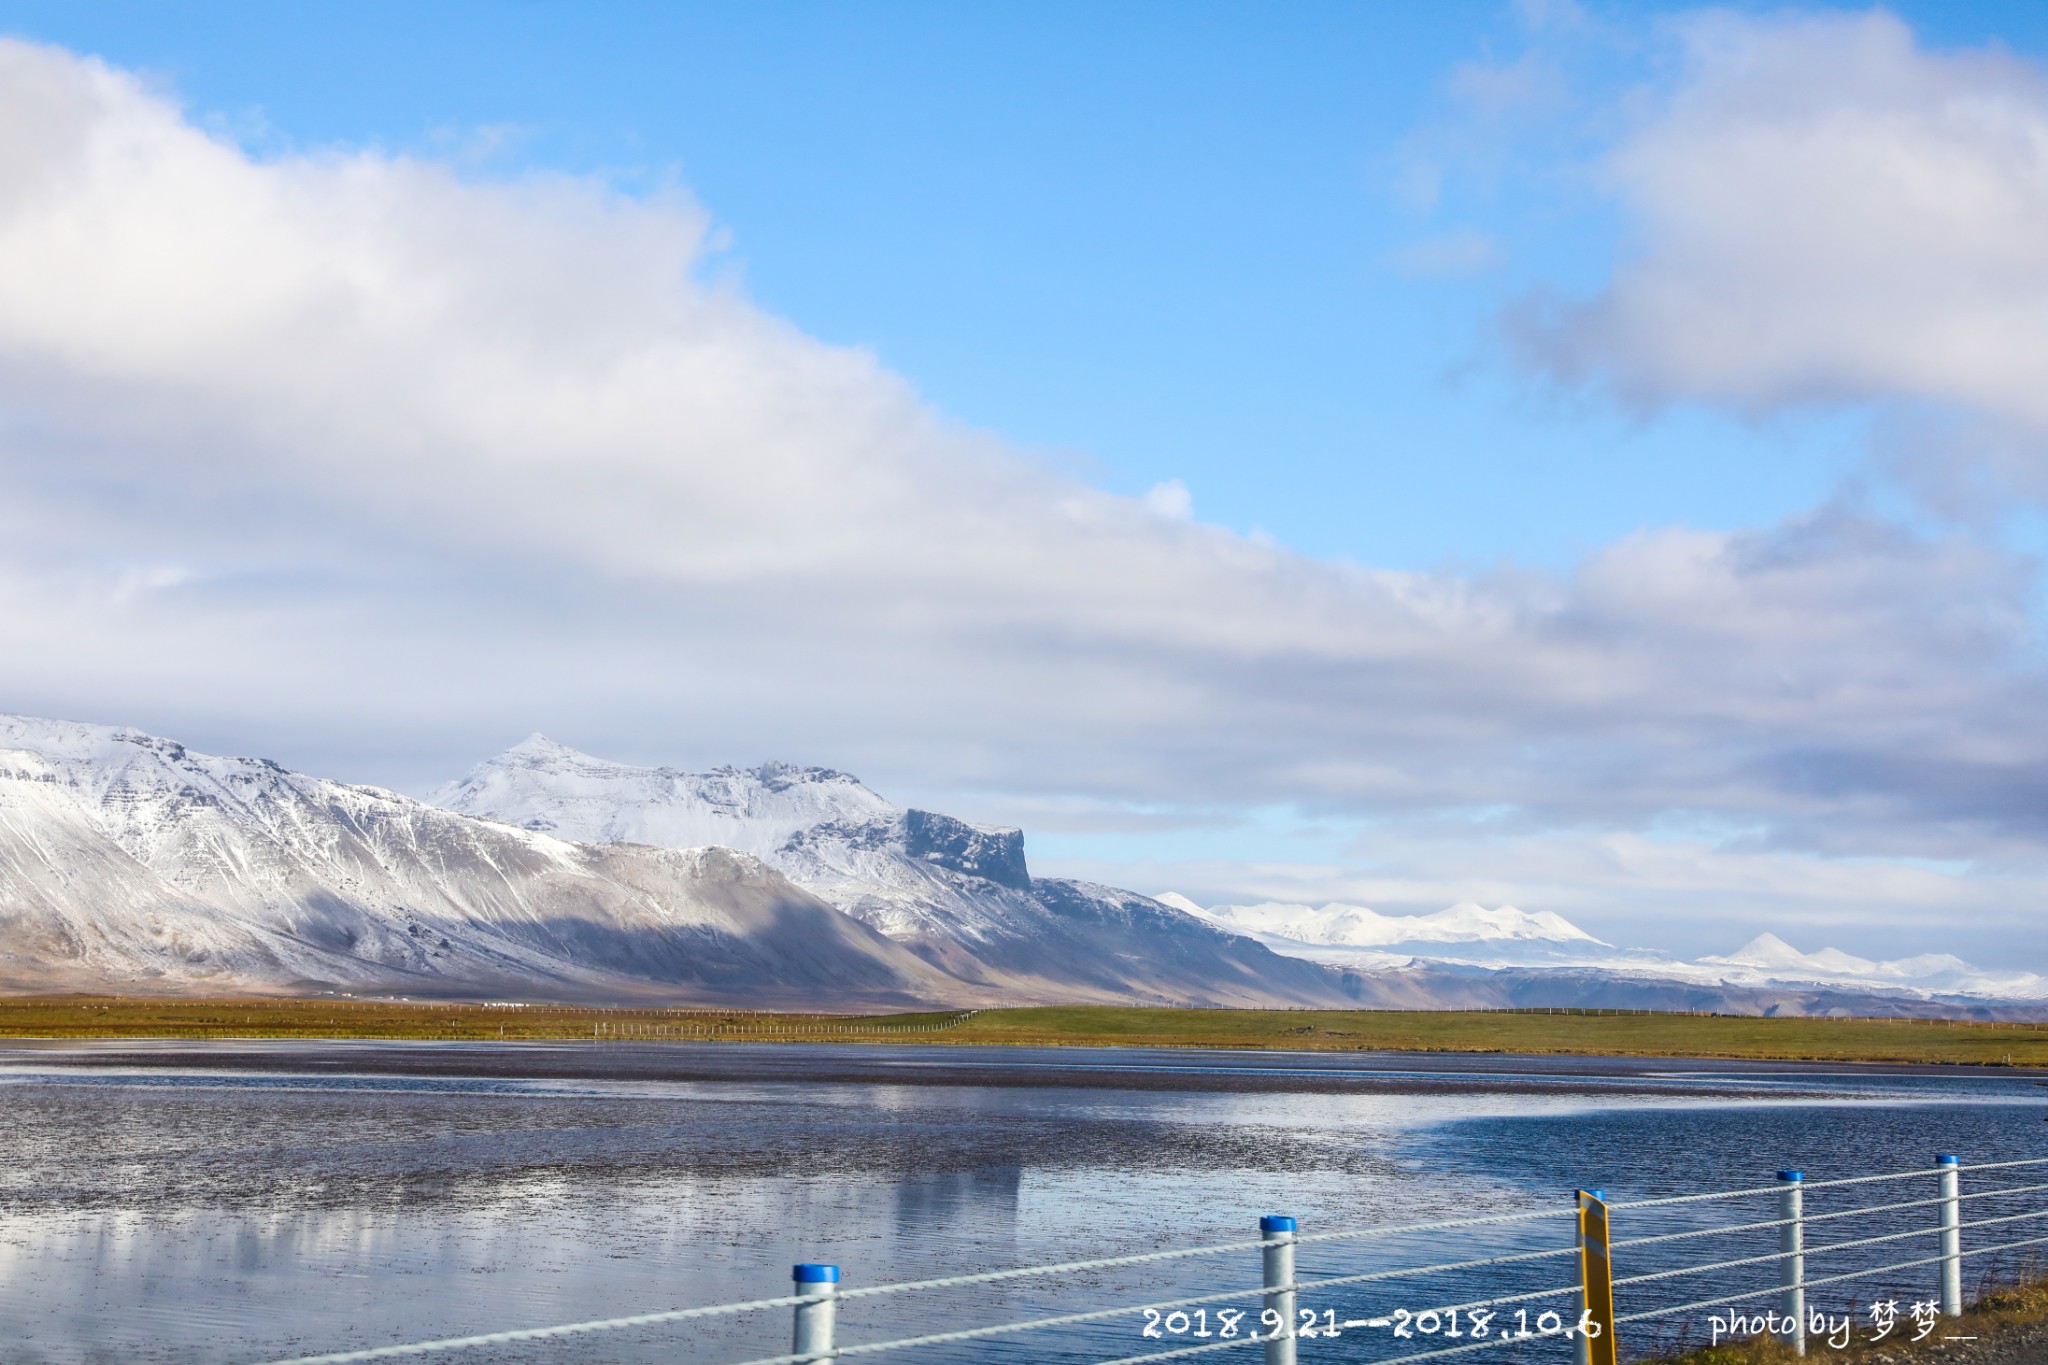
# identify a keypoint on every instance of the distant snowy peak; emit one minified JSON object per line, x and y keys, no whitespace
{"x":1467,"y":921}
{"x":1355,"y":926}
{"x":1769,"y":957}
{"x":539,"y":753}
{"x":543,"y":785}
{"x":1770,"y":952}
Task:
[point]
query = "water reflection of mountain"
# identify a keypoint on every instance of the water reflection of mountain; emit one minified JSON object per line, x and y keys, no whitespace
{"x":987,"y":1196}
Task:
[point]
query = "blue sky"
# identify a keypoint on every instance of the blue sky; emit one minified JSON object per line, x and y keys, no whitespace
{"x":1527,"y":560}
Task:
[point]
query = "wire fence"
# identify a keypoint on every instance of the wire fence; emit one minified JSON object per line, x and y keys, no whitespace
{"x":1893,"y":1256}
{"x":710,"y":1025}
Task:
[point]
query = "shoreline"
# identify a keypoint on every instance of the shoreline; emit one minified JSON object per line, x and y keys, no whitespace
{"x":1010,"y":1067}
{"x":1944,"y":1044}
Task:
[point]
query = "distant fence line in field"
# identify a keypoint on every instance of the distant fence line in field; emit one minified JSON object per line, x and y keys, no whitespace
{"x":711,"y":1024}
{"x":1593,"y":1011}
{"x":288,"y":1013}
{"x":1932,"y":1020}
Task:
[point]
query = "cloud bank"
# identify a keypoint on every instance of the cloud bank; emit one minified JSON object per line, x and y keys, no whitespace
{"x":1823,"y":212}
{"x":348,"y":457}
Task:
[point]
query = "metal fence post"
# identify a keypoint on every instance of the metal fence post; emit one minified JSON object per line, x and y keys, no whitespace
{"x":1792,"y":1258}
{"x":1951,"y":1236}
{"x":819,"y":1287}
{"x":1278,"y":1232}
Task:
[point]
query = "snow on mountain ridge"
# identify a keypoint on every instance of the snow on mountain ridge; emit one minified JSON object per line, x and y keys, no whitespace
{"x":540,"y":784}
{"x":833,"y":834}
{"x":1356,"y":926}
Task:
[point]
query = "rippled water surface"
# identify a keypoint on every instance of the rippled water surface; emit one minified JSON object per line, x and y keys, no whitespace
{"x":248,"y":1202}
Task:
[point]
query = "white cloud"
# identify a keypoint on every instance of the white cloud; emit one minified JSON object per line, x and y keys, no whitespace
{"x":1170,"y":500}
{"x":1826,"y":211}
{"x":440,"y":462}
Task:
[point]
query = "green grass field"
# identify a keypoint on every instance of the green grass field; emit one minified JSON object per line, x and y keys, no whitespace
{"x":1611,"y":1033}
{"x":1589,"y":1032}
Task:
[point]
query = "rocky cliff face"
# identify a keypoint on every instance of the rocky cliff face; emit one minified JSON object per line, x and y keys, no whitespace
{"x":994,"y":855}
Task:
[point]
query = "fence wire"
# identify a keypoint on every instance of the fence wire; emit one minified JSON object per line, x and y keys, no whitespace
{"x":1318,"y":1287}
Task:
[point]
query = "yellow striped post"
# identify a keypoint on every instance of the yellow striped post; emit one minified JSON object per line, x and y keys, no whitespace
{"x":1596,"y":1271}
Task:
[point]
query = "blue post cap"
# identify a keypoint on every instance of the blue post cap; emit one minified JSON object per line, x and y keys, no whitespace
{"x":1791,"y":1175}
{"x":1946,"y":1160}
{"x":1276,"y":1222}
{"x":815,"y":1274}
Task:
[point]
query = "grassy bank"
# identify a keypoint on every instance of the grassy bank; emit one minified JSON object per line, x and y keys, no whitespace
{"x":1608,"y":1033}
{"x":126,"y":1017}
{"x":2008,"y":1327}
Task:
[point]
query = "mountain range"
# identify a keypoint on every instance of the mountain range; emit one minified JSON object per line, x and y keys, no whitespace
{"x":1507,"y":942}
{"x":129,"y":862}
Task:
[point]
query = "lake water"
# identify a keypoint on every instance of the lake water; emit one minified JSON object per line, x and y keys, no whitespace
{"x":248,"y":1202}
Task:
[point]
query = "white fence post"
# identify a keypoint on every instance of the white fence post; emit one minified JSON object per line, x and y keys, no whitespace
{"x":1951,"y":1236}
{"x":1792,"y":1258}
{"x":819,"y":1286}
{"x":1278,"y":1231}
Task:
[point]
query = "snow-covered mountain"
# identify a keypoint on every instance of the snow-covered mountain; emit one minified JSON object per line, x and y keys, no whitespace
{"x":1354,"y":936}
{"x":960,"y":895}
{"x":1769,"y":959}
{"x":1508,"y":941}
{"x":1355,"y":926}
{"x":1344,"y":928}
{"x":128,"y":860}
